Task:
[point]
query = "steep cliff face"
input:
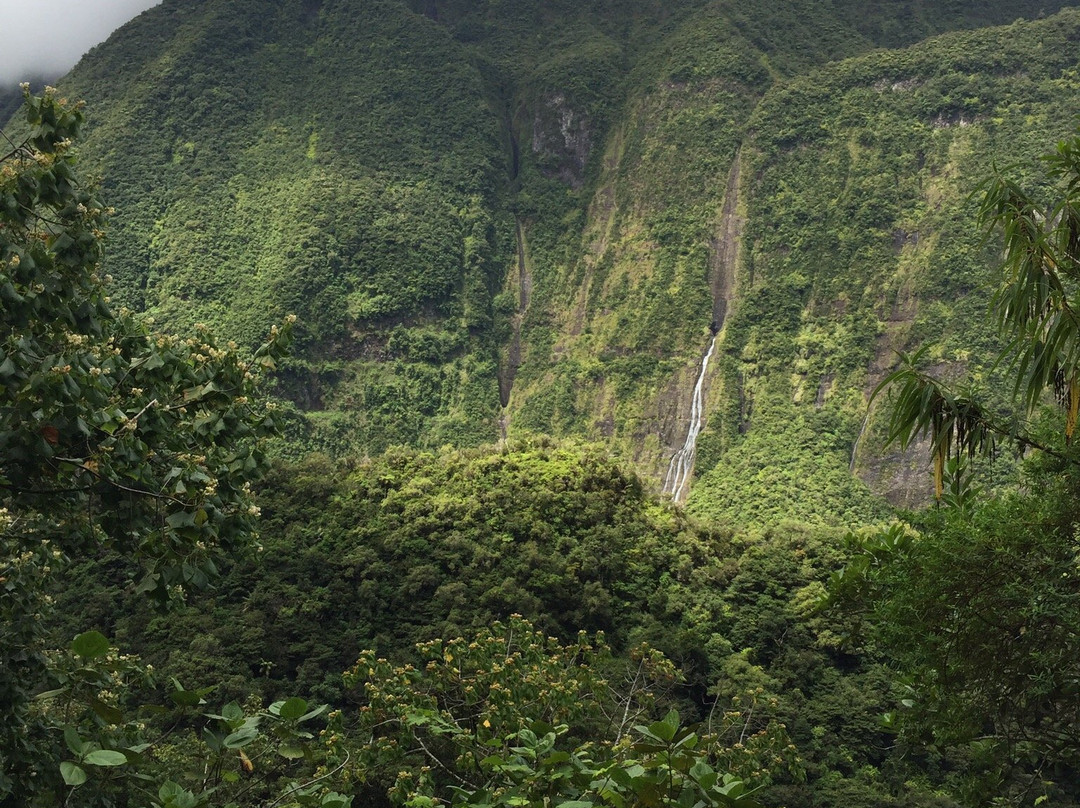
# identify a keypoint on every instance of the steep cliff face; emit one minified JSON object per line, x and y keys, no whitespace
{"x":561,"y":140}
{"x":861,"y":242}
{"x":527,"y":217}
{"x":835,"y":205}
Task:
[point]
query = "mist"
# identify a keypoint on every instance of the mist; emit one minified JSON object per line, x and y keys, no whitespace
{"x":43,"y":39}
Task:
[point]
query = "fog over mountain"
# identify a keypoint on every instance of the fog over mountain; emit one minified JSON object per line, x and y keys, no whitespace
{"x":45,"y":38}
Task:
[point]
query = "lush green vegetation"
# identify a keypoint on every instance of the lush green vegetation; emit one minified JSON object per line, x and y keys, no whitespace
{"x":860,"y":242}
{"x":312,"y":176}
{"x":974,"y":610}
{"x":414,"y":548}
{"x":991,"y":584}
{"x":367,"y":169}
{"x":113,"y":439}
{"x":440,"y":191}
{"x":417,"y":548}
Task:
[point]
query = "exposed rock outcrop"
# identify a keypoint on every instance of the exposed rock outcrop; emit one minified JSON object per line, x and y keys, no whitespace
{"x":562,"y":139}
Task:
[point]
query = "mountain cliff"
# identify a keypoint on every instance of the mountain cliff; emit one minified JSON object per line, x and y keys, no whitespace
{"x":502,"y":218}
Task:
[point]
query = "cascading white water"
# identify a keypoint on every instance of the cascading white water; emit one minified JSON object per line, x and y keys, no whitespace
{"x":855,"y":448}
{"x":677,"y":481}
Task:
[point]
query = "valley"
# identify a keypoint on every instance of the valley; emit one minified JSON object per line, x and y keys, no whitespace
{"x":544,"y":405}
{"x":622,"y":190}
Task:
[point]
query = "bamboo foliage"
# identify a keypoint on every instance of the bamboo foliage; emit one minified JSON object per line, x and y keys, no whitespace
{"x":1036,"y":305}
{"x":956,"y":423}
{"x":1037,"y":308}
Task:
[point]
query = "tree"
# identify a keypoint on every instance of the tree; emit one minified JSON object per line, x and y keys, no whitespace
{"x":511,"y":717}
{"x":977,"y":611}
{"x":1037,"y":308}
{"x":978,"y":608}
{"x":110,"y":435}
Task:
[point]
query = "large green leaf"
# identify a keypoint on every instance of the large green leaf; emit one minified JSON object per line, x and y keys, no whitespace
{"x":76,"y":744}
{"x":105,"y":757}
{"x":90,"y":645}
{"x":106,"y":712}
{"x":241,"y":738}
{"x":293,"y":708}
{"x":291,"y":751}
{"x":73,"y":774}
{"x":186,"y":698}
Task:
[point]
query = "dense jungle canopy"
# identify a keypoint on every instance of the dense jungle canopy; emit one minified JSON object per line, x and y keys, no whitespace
{"x":348,"y":349}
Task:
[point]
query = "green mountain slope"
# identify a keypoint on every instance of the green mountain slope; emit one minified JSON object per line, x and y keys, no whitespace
{"x":860,"y":241}
{"x":287,"y":160}
{"x":525,"y":217}
{"x":822,"y":220}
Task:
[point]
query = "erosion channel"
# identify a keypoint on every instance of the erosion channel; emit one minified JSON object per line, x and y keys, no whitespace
{"x":723,"y":254}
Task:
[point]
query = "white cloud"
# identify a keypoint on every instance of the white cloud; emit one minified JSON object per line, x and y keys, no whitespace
{"x":47,"y":37}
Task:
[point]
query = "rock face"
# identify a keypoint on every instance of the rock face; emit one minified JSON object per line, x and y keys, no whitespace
{"x":562,"y":140}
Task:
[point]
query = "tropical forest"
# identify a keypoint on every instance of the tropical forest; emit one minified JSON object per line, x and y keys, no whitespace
{"x":544,"y":404}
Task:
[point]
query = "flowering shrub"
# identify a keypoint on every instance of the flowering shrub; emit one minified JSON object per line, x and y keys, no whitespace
{"x":515,"y":718}
{"x":111,"y":436}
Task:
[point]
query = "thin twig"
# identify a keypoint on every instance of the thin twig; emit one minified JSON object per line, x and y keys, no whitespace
{"x":122,"y":487}
{"x":746,"y":724}
{"x":143,"y":410}
{"x":296,"y":788}
{"x":442,"y":765}
{"x":708,"y":724}
{"x":629,"y":698}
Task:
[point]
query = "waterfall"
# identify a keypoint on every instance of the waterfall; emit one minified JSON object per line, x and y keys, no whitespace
{"x":855,"y":448}
{"x":677,"y":481}
{"x":723,"y":257}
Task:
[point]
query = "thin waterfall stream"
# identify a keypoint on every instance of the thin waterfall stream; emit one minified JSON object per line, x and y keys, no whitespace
{"x":723,"y":256}
{"x":855,"y":448}
{"x":677,"y":481}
